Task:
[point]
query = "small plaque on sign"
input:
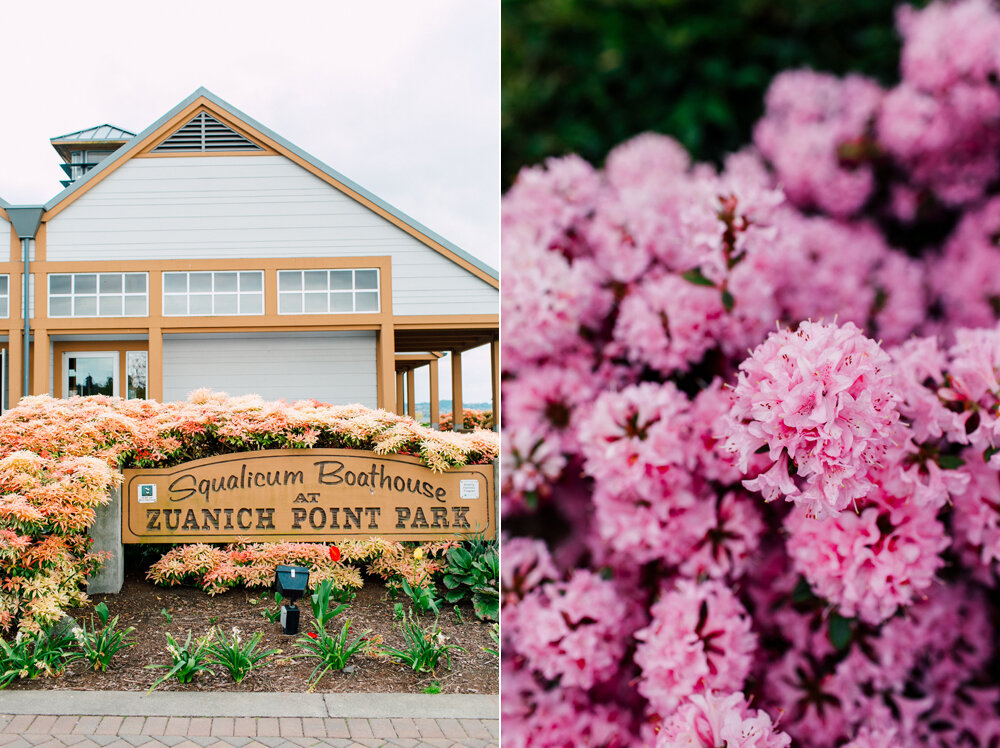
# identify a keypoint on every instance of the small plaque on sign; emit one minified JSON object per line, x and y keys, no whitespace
{"x":468,"y":489}
{"x":147,"y":493}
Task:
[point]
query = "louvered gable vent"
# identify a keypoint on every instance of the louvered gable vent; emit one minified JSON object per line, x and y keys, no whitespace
{"x":205,"y":133}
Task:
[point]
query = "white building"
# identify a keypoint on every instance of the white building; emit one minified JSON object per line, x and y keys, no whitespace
{"x":207,"y":251}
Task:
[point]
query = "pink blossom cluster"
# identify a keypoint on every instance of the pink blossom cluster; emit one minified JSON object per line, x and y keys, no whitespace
{"x":819,"y":401}
{"x":751,"y":450}
{"x":708,"y":720}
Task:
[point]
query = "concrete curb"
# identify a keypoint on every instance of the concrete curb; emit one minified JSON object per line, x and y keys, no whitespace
{"x":202,"y":704}
{"x":413,"y":705}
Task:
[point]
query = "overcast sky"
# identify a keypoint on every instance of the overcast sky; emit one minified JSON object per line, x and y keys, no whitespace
{"x":402,"y":97}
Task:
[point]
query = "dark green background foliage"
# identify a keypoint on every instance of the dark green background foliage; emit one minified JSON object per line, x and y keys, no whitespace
{"x":583,"y":75}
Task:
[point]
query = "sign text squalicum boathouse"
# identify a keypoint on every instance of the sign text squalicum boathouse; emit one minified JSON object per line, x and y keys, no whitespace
{"x":307,"y":495}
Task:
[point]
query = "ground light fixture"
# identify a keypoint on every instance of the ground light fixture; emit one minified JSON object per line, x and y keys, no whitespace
{"x":291,"y":582}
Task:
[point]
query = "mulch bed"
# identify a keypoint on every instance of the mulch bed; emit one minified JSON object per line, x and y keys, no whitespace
{"x":142,"y":605}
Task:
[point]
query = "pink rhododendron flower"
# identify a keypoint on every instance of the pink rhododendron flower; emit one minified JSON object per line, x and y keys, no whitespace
{"x":964,"y":279}
{"x":725,"y":531}
{"x":820,"y":402}
{"x":814,"y":133}
{"x":536,"y":717}
{"x":870,"y":563}
{"x":699,"y":638}
{"x":976,"y":519}
{"x":712,"y":719}
{"x":524,"y":565}
{"x":572,"y":631}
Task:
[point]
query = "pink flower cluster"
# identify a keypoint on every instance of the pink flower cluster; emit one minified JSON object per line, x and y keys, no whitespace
{"x":709,"y":720}
{"x":751,"y":460}
{"x":819,"y":401}
{"x":699,"y":638}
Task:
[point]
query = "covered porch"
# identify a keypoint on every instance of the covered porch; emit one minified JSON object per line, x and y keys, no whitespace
{"x":420,"y":343}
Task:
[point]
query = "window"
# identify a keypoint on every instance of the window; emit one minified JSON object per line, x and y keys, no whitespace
{"x":98,"y":295}
{"x":83,"y":161}
{"x":213,"y":293}
{"x":136,"y":363}
{"x":328,"y":291}
{"x":4,"y":295}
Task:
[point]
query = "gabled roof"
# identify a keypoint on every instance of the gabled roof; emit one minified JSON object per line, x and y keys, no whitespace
{"x":97,"y":132}
{"x":181,"y":113}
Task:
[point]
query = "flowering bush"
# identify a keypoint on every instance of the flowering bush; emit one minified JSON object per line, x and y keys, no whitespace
{"x":59,"y":460}
{"x":46,"y":505}
{"x":472,"y":418}
{"x":751,"y":460}
{"x":216,"y":569}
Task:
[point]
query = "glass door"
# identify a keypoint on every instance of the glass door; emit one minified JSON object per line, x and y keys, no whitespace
{"x":90,"y":373}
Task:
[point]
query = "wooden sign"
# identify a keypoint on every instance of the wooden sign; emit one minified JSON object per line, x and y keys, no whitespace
{"x":306,"y":495}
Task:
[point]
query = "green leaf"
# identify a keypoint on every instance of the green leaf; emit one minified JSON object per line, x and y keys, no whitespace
{"x":487,"y":607}
{"x":459,"y":557}
{"x":950,"y":462}
{"x":728,"y":302}
{"x":990,"y":451}
{"x":840,"y":631}
{"x":802,"y":592}
{"x":697,"y":277}
{"x":762,"y":449}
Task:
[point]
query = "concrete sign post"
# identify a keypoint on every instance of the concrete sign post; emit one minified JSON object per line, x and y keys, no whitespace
{"x":106,"y":533}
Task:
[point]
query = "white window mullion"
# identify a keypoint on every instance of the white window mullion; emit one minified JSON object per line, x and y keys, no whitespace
{"x":88,"y":294}
{"x":254,"y":294}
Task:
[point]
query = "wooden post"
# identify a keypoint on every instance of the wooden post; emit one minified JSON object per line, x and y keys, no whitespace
{"x":154,"y":365}
{"x":411,"y":399}
{"x":457,"y":416}
{"x":15,"y":366}
{"x":400,"y":394}
{"x":386,"y":353}
{"x":40,"y":363}
{"x":495,"y":377}
{"x":435,"y":401}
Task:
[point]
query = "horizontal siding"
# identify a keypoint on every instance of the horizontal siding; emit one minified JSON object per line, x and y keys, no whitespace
{"x":336,"y":367}
{"x":246,"y":207}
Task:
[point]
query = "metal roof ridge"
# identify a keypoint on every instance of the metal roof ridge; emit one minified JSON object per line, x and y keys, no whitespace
{"x":94,"y":127}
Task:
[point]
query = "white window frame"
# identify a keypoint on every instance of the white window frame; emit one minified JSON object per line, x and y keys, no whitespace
{"x":5,"y":297}
{"x":73,"y":295}
{"x":130,"y":356}
{"x":213,"y":293}
{"x":112,"y":356}
{"x":329,"y":292}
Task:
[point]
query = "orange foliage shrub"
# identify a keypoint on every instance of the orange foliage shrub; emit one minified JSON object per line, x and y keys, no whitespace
{"x":59,"y":460}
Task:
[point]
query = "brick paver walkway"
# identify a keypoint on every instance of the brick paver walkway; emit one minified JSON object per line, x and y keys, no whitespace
{"x":110,"y":730}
